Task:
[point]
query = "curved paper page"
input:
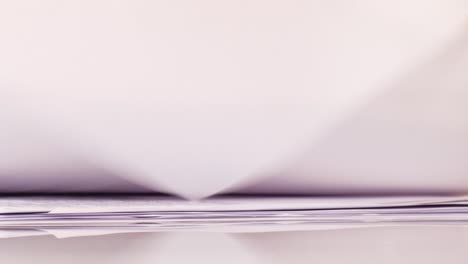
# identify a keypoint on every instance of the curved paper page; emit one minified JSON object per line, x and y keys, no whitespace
{"x":195,"y":97}
{"x":411,"y":138}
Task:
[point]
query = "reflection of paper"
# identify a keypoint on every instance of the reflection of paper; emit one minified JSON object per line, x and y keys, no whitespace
{"x":21,"y":233}
{"x":70,"y":232}
{"x":393,"y":244}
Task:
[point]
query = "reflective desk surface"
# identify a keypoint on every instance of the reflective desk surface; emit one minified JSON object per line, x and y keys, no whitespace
{"x":397,"y":244}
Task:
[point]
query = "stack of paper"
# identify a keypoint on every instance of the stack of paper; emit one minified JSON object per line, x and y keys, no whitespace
{"x":93,"y":215}
{"x":203,"y":99}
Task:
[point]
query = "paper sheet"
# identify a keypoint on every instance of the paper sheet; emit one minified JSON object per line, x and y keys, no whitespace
{"x":97,"y":215}
{"x":309,"y":97}
{"x":235,"y":97}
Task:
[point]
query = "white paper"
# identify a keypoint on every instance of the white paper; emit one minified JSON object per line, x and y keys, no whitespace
{"x":200,"y":98}
{"x":151,"y":203}
{"x":101,"y":215}
{"x":312,"y":97}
